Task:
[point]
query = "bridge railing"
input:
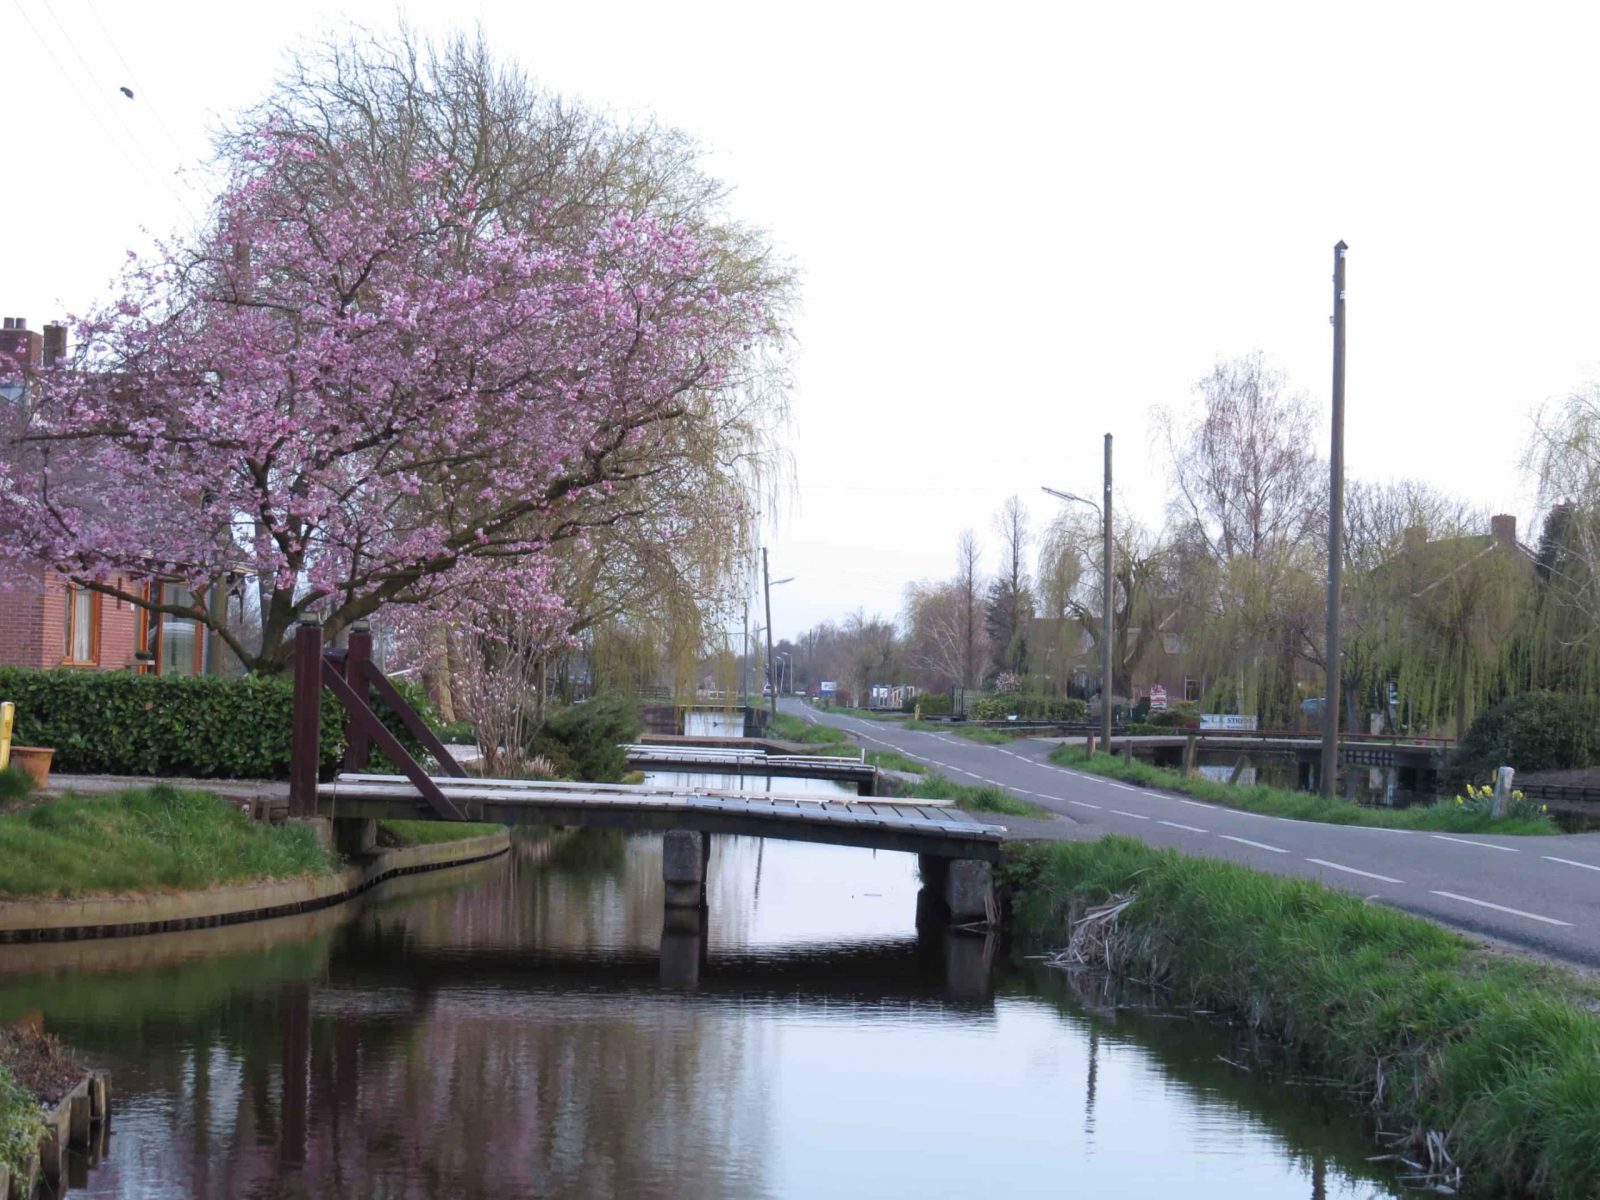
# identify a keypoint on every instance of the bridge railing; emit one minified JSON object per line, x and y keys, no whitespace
{"x":352,"y":677}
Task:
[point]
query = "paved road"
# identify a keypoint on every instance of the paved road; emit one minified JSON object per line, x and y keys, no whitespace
{"x":1536,"y":893}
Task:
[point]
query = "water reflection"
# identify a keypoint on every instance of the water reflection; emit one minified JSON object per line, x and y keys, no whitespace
{"x":530,"y":1027}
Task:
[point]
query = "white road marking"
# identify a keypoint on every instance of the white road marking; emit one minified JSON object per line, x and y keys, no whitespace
{"x":1083,"y":804}
{"x":1571,"y":862}
{"x":1123,"y":786}
{"x":1322,"y":862}
{"x":1257,"y":845}
{"x":994,"y":783}
{"x":1175,"y":825}
{"x":1157,"y":795}
{"x":1515,"y":912}
{"x":1469,"y":842}
{"x":1135,"y":816}
{"x":1192,"y":803}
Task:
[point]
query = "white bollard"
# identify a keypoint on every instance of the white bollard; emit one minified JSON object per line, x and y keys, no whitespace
{"x":1502,"y":791}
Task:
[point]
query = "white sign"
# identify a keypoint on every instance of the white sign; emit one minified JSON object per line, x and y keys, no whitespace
{"x":829,"y":686}
{"x":1158,"y":698}
{"x":1227,"y":721}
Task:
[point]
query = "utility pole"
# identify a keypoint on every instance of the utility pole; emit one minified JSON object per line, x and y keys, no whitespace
{"x":1331,"y":704}
{"x":744,"y":660}
{"x":1108,"y":589}
{"x":766,"y":586}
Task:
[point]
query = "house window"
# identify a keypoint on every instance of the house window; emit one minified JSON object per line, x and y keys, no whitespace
{"x":81,"y":629}
{"x":1172,"y":643}
{"x":173,"y":642}
{"x":1191,"y":689}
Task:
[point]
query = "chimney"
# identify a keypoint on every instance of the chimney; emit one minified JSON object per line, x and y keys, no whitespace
{"x":11,"y":323}
{"x":55,"y":343}
{"x":1503,"y":528}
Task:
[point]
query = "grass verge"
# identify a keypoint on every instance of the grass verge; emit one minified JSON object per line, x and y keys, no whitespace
{"x":972,"y":799}
{"x":428,"y":833}
{"x":893,"y":760}
{"x":1500,"y":1055}
{"x":1301,"y":806}
{"x":792,"y":729}
{"x":146,"y":840}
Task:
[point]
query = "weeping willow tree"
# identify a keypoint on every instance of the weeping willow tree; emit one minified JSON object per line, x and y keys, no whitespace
{"x":1559,"y":647}
{"x":1249,"y":503}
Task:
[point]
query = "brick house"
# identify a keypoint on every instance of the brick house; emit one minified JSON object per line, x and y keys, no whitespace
{"x":47,"y":622}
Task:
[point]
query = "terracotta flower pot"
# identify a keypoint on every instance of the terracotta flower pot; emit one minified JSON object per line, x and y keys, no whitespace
{"x":35,"y":760}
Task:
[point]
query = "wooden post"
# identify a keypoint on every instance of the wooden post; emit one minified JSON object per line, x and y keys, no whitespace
{"x":1191,"y":754}
{"x":305,"y":748}
{"x":357,"y":745}
{"x":1127,"y":751}
{"x":1502,"y":791}
{"x":1239,"y":768}
{"x":1088,"y":747}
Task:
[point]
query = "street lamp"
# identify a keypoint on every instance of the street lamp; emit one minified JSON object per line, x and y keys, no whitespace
{"x":1106,"y":589}
{"x":769,"y":583}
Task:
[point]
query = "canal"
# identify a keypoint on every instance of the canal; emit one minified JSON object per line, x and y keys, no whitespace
{"x":519,"y":1028}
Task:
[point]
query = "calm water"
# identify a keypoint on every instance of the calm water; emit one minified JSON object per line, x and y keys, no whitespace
{"x":525,"y":1028}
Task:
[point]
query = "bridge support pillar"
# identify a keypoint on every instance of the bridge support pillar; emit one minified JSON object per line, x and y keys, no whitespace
{"x":683,"y":946}
{"x":355,"y":835}
{"x":963,"y":888}
{"x":684,"y":855}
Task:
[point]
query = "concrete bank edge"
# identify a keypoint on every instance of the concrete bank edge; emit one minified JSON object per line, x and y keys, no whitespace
{"x":121,"y":916}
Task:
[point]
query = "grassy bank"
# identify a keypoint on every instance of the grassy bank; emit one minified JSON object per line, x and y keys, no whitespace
{"x":825,"y":739}
{"x":145,"y":840}
{"x":972,"y":799}
{"x":1445,"y":817}
{"x":428,"y":833}
{"x":1499,"y":1055}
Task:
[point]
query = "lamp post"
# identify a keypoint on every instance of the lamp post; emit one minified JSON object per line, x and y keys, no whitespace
{"x":768,"y":583}
{"x":1106,"y":590}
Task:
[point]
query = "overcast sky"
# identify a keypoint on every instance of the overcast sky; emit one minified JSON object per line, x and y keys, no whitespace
{"x":1018,"y":226}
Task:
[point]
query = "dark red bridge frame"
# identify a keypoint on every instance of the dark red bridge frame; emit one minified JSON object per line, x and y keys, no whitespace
{"x":352,"y":677}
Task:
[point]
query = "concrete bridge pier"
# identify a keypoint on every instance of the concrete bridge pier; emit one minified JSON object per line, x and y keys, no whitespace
{"x":683,"y":946}
{"x":961,"y":889}
{"x":684,"y":857}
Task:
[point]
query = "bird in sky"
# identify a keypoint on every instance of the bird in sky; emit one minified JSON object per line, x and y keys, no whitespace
{"x":126,"y":91}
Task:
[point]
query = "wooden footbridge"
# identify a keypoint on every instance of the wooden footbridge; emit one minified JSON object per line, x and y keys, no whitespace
{"x":956,"y":849}
{"x":683,"y":755}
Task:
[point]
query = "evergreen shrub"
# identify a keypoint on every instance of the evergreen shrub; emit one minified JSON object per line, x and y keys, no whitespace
{"x":585,"y":740}
{"x":176,"y":726}
{"x":1536,"y":731}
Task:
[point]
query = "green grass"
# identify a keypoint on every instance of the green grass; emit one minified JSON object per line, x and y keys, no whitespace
{"x":893,"y":760}
{"x":428,"y":833}
{"x":21,"y":1124}
{"x":1500,"y":1053}
{"x":785,"y":728}
{"x":866,"y":714}
{"x":146,"y":840}
{"x":15,"y":785}
{"x":985,"y":735}
{"x":1300,"y":806}
{"x":972,"y":799}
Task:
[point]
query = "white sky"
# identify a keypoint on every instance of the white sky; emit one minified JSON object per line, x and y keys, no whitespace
{"x":1019,"y":226}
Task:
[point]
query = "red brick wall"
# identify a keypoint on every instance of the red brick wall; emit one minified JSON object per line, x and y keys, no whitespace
{"x":21,"y":618}
{"x":33,"y":620}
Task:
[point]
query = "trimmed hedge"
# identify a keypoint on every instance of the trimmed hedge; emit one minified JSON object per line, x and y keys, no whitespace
{"x":196,"y":727}
{"x":1027,"y":708}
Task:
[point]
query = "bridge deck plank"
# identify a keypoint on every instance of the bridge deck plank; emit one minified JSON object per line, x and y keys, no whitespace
{"x":840,"y":820}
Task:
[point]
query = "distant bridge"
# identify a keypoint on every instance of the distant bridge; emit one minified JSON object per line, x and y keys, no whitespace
{"x":683,"y":756}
